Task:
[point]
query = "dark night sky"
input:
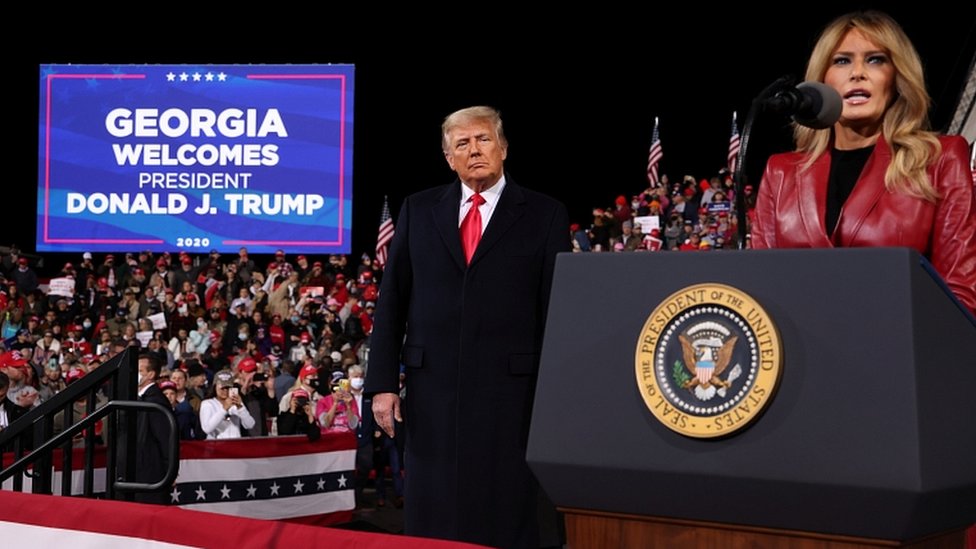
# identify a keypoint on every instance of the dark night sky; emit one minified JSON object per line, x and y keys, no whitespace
{"x":578,"y":91}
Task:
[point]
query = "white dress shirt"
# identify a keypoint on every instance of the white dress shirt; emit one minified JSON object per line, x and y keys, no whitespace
{"x":491,"y":197}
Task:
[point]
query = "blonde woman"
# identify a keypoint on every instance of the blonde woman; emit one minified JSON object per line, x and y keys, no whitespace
{"x":878,"y":177}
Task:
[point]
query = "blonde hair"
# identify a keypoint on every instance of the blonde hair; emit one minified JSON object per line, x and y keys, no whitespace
{"x":468,"y":115}
{"x":905,"y":125}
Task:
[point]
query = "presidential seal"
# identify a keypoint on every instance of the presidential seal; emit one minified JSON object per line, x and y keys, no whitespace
{"x":708,"y":361}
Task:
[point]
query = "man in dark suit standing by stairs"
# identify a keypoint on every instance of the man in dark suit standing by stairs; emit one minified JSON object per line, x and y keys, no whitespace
{"x":152,"y":433}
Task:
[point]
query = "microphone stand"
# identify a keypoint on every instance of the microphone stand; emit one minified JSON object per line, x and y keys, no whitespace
{"x":739,"y":177}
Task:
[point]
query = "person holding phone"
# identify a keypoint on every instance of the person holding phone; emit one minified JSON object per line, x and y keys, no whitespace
{"x":337,"y":412}
{"x":257,"y":394}
{"x":300,"y":417}
{"x":223,"y":414}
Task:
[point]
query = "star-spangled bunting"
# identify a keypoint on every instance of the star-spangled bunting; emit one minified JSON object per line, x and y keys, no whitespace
{"x":272,"y":488}
{"x":297,"y":478}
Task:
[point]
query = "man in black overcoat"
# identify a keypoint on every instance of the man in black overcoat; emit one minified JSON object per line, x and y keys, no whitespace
{"x":469,"y":331}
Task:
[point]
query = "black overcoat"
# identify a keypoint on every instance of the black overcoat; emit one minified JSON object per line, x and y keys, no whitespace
{"x":470,"y":338}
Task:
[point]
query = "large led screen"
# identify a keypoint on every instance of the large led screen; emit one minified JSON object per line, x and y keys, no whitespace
{"x":184,"y":157}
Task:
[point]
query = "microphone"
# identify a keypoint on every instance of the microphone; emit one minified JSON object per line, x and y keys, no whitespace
{"x":812,"y":104}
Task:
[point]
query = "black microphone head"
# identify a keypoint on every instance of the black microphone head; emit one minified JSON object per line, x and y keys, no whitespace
{"x":821,"y":105}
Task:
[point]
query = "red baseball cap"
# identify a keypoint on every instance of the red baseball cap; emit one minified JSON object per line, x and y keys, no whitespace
{"x":247,"y":364}
{"x":12,"y":359}
{"x":74,"y":375}
{"x":308,"y":370}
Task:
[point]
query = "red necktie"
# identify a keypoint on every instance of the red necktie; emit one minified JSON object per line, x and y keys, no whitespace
{"x":471,"y":227}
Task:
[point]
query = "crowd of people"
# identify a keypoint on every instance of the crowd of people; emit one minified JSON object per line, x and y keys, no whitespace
{"x":236,"y":349}
{"x":685,"y":215}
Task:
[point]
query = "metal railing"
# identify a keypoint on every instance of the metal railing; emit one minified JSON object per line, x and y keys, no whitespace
{"x":33,"y":442}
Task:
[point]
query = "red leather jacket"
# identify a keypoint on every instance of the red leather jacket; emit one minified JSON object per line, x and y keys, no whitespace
{"x":791,"y":206}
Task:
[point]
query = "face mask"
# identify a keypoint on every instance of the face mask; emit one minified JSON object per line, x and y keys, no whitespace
{"x":242,"y":336}
{"x":86,"y":324}
{"x":182,"y":309}
{"x":201,"y":324}
{"x":357,"y":383}
{"x":294,"y":320}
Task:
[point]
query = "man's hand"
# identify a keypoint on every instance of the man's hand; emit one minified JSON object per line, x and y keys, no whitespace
{"x":386,"y":409}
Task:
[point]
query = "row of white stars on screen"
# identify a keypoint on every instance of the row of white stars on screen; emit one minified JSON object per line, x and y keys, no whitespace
{"x":196,"y":77}
{"x":252,"y":491}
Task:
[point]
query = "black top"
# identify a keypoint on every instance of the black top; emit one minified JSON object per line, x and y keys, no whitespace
{"x":845,"y":169}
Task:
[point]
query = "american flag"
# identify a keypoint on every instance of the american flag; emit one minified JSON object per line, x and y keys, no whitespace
{"x":733,"y":146}
{"x":654,"y":156}
{"x":385,"y":234}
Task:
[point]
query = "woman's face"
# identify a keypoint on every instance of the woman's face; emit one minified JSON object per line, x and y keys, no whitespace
{"x":864,"y":76}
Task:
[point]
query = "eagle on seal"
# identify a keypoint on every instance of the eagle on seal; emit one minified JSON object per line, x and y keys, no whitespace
{"x":707,"y":362}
